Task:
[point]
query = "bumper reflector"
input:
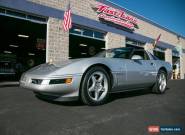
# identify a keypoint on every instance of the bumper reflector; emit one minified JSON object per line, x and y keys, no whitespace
{"x":68,"y":80}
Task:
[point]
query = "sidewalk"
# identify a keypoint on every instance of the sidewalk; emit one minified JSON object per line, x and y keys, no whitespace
{"x":9,"y":83}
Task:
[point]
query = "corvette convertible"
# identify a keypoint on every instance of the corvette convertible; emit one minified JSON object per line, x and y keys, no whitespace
{"x":93,"y":79}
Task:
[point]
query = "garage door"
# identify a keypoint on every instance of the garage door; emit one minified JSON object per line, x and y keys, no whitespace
{"x":22,"y":44}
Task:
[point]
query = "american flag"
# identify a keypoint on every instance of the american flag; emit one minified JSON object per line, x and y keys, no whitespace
{"x":67,"y":23}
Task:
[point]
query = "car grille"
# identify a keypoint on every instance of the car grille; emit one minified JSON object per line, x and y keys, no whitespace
{"x":36,"y":81}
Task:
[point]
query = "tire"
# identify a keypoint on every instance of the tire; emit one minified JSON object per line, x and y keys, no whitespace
{"x":95,"y":86}
{"x":161,"y":83}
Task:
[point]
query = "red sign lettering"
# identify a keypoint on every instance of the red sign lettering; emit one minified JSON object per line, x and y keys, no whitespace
{"x":116,"y":16}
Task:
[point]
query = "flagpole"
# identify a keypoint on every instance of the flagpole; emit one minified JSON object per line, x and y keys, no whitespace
{"x":156,"y":41}
{"x":69,"y":3}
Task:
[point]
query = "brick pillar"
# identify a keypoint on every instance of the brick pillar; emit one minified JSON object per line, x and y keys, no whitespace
{"x":168,"y":55}
{"x":114,"y":41}
{"x":57,"y":41}
{"x":182,"y":66}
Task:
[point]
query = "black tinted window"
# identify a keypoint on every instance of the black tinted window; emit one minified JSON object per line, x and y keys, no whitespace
{"x":116,"y":53}
{"x":141,"y":53}
{"x":155,"y":57}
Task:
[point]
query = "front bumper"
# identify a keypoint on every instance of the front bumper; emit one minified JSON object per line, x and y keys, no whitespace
{"x":59,"y":91}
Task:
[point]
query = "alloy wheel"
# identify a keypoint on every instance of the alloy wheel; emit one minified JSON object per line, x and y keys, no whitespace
{"x":162,"y":82}
{"x":97,"y":86}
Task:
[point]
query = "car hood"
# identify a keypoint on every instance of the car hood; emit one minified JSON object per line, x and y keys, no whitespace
{"x":66,"y":62}
{"x":46,"y":69}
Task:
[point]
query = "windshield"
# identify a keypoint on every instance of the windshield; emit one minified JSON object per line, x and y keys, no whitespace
{"x":116,"y":53}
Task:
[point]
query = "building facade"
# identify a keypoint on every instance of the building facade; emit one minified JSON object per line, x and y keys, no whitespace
{"x":99,"y":22}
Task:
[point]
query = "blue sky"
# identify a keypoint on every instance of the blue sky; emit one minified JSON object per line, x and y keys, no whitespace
{"x":168,"y":13}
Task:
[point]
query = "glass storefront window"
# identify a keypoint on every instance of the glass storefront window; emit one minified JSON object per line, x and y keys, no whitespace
{"x":99,"y":35}
{"x":22,"y":15}
{"x":75,"y":30}
{"x":175,"y":53}
{"x":133,"y":42}
{"x":159,"y":55}
{"x":86,"y":32}
{"x":159,"y":49}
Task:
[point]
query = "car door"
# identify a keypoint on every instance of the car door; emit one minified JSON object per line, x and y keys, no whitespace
{"x":150,"y":70}
{"x":140,"y":72}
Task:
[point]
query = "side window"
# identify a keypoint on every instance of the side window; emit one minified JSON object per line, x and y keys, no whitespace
{"x":141,"y":54}
{"x":122,"y":55}
{"x":146,"y":57}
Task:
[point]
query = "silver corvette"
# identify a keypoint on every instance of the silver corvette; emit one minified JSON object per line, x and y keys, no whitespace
{"x":93,"y":79}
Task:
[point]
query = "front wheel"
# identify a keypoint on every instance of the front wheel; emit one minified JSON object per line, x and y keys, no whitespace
{"x":161,"y":83}
{"x":95,"y":86}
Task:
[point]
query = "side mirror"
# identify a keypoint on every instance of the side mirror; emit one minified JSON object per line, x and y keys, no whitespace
{"x":136,"y":57}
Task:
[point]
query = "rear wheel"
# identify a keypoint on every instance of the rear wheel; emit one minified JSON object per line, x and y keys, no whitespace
{"x":161,"y":82}
{"x":95,"y":86}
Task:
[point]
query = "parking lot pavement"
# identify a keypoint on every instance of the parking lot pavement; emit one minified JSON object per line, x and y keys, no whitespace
{"x":129,"y":113}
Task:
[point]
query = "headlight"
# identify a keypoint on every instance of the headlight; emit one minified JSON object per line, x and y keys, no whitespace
{"x":61,"y":81}
{"x":36,"y":81}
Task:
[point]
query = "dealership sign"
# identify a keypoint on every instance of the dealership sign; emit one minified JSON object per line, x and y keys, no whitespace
{"x":115,"y":16}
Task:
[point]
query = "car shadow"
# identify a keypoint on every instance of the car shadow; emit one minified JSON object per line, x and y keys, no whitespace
{"x":63,"y":103}
{"x":112,"y":97}
{"x":128,"y":94}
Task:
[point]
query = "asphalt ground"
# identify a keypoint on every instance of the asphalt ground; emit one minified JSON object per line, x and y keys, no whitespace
{"x":128,"y":113}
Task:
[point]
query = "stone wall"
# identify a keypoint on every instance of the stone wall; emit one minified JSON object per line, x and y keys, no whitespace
{"x":114,"y":40}
{"x":152,"y":31}
{"x":84,"y":8}
{"x":57,"y":41}
{"x":58,"y":4}
{"x":78,"y":7}
{"x":168,"y":55}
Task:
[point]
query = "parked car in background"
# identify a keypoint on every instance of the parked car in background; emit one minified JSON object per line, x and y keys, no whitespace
{"x":7,"y":69}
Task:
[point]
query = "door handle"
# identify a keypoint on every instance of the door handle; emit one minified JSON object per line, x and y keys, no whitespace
{"x":152,"y":63}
